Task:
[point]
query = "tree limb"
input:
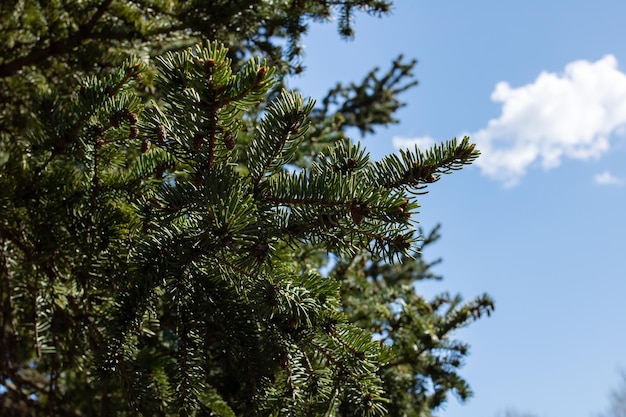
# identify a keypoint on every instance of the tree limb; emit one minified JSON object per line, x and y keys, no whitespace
{"x":57,"y":47}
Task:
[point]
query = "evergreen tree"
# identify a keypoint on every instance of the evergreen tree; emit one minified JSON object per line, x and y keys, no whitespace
{"x":167,"y":207}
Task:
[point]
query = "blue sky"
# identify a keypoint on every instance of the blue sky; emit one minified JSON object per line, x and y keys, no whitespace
{"x":538,"y":221}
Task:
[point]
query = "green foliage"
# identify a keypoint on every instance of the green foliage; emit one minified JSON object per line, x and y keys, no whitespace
{"x":374,"y":101}
{"x":424,"y":358}
{"x":166,"y":208}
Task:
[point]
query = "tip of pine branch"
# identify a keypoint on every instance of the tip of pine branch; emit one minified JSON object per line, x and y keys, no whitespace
{"x":260,"y":74}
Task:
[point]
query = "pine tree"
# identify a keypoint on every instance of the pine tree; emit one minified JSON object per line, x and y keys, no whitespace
{"x":167,"y":207}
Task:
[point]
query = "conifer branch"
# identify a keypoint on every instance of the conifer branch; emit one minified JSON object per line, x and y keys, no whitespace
{"x":414,"y":169}
{"x":278,"y":135}
{"x":39,"y":53}
{"x":194,"y":230}
{"x":306,"y":201}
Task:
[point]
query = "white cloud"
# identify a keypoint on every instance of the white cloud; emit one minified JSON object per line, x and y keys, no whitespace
{"x":606,"y":178}
{"x":422,"y":142}
{"x":568,"y":115}
{"x":572,"y":114}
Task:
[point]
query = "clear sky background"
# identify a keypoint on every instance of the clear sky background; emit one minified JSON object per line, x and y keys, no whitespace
{"x":538,"y":221}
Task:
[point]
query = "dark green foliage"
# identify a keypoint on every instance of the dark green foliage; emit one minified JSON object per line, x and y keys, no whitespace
{"x":166,"y":208}
{"x":424,"y":358}
{"x":374,"y":101}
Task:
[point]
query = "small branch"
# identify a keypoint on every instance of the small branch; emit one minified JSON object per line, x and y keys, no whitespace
{"x":38,"y":387}
{"x":7,"y":345}
{"x":56,"y":47}
{"x":306,"y":201}
{"x":35,"y":320}
{"x":88,"y":28}
{"x":131,"y":72}
{"x":39,"y":54}
{"x":15,"y":390}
